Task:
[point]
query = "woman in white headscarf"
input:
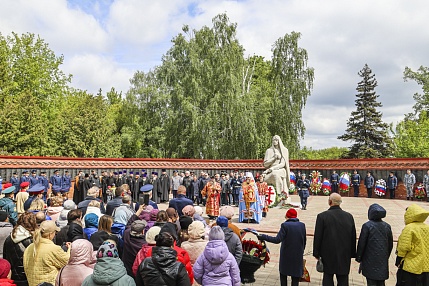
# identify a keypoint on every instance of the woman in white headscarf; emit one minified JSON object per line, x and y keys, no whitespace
{"x":276,"y":161}
{"x":250,"y":202}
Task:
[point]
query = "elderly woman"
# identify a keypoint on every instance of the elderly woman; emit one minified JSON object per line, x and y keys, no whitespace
{"x":43,"y":259}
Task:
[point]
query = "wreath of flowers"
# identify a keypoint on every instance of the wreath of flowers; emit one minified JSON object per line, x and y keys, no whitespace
{"x":315,"y":184}
{"x":420,"y":191}
{"x":292,"y":182}
{"x":380,"y":188}
{"x":257,"y":249}
{"x":344,"y":183}
{"x":326,"y":187}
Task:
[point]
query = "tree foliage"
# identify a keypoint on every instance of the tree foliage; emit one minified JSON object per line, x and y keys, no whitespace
{"x":205,"y":100}
{"x":365,"y":127}
{"x":323,"y":154}
{"x":412,"y":134}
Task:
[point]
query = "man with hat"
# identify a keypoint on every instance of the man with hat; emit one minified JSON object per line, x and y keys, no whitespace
{"x":187,"y":182}
{"x":21,"y":197}
{"x":8,"y":205}
{"x":66,"y":181}
{"x":147,"y":190}
{"x":45,"y":182}
{"x":34,"y":179}
{"x":24,"y":177}
{"x":292,"y":236}
{"x":91,"y":195}
{"x":137,"y":183}
{"x":165,"y":186}
{"x":154,"y":181}
{"x":14,"y":180}
{"x":134,"y":239}
{"x":55,"y":179}
{"x":35,"y":192}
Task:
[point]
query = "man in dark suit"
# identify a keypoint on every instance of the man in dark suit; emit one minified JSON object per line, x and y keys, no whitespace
{"x":335,"y":242}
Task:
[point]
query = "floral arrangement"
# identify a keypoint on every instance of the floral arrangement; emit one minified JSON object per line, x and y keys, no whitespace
{"x":344,"y":183}
{"x":315,"y":184}
{"x":326,"y":187}
{"x":380,"y":188}
{"x":256,"y":249}
{"x":292,"y":182}
{"x":420,"y":191}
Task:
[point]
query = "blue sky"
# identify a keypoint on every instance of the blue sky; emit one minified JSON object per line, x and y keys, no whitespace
{"x":104,"y":42}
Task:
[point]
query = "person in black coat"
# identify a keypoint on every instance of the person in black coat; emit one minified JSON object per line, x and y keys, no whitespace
{"x":374,"y":247}
{"x":303,"y":186}
{"x":335,"y":242}
{"x":162,"y":268}
{"x":292,"y":235}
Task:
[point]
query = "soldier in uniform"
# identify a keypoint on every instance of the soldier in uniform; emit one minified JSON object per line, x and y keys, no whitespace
{"x":24,"y":178}
{"x":334,"y":181}
{"x":43,"y":180}
{"x":392,"y":183}
{"x":14,"y":180}
{"x":36,"y":192}
{"x":34,"y":179}
{"x":356,"y":183}
{"x":236,"y":187}
{"x":369,"y":183}
{"x":165,"y":185}
{"x":409,"y":181}
{"x":66,"y":181}
{"x":304,"y":193}
{"x":7,"y":204}
{"x":56,"y":179}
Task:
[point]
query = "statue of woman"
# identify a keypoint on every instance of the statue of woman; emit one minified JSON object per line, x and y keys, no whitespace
{"x":277,"y":163}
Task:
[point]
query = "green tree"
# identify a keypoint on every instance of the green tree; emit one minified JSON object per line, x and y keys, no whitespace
{"x":412,"y":134}
{"x":323,"y":154}
{"x":293,"y":81}
{"x":365,"y":127}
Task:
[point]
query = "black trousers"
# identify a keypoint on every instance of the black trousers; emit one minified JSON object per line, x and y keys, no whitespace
{"x":328,"y":280}
{"x":370,"y":282}
{"x":356,"y":190}
{"x":334,"y":187}
{"x":404,"y":278}
{"x":392,"y":193}
{"x":369,"y":191}
{"x":283,"y":280}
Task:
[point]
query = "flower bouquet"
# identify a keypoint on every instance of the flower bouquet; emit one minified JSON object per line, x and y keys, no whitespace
{"x":380,"y":188}
{"x":344,"y":183}
{"x":420,"y":191}
{"x":326,"y":187}
{"x":255,"y":254}
{"x":292,"y":182}
{"x":315,"y":184}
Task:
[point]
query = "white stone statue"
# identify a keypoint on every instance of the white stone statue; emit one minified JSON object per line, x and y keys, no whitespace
{"x":277,"y":163}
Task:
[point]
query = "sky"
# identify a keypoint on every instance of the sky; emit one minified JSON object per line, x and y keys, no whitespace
{"x":105,"y":42}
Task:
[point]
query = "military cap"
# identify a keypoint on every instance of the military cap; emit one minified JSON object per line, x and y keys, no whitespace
{"x":8,"y":190}
{"x":25,"y":171}
{"x":37,"y":188}
{"x":33,"y":171}
{"x":146,"y":188}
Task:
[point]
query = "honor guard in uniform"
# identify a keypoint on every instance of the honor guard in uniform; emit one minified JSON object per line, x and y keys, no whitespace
{"x":56,"y":179}
{"x":369,"y":183}
{"x":334,"y":182}
{"x":392,"y":184}
{"x":66,"y":183}
{"x":8,"y":205}
{"x":356,"y":183}
{"x":14,"y":180}
{"x":304,"y":193}
{"x":24,"y":178}
{"x":34,"y":179}
{"x":45,"y":182}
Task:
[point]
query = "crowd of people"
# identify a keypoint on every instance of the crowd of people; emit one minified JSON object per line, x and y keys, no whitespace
{"x":113,"y":235}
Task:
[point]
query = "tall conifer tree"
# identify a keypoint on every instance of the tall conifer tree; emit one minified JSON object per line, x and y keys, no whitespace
{"x":365,"y":127}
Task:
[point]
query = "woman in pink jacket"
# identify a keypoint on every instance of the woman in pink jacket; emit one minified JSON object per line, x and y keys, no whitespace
{"x":81,"y":264}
